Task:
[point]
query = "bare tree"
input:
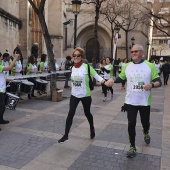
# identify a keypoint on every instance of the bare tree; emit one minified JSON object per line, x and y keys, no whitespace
{"x":39,"y":10}
{"x":111,"y":11}
{"x":157,"y":13}
{"x":130,"y":18}
{"x":98,"y":4}
{"x":125,"y":15}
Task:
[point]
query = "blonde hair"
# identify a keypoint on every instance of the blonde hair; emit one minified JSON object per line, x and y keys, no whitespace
{"x":82,"y":52}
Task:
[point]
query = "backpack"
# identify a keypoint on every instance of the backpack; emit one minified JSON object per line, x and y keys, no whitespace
{"x":91,"y":85}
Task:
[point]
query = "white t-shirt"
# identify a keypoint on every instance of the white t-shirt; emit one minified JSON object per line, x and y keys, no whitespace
{"x":158,"y":66}
{"x":6,"y":64}
{"x":109,"y":75}
{"x":137,"y":75}
{"x":2,"y":80}
{"x":18,"y":68}
{"x":80,"y":80}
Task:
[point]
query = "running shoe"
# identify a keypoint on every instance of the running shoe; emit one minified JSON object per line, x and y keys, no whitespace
{"x":111,"y":96}
{"x":105,"y":99}
{"x":122,"y":88}
{"x":132,"y":152}
{"x":63,"y":139}
{"x":92,"y":133}
{"x":147,"y":138}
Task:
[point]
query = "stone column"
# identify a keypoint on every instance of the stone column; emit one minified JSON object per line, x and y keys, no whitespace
{"x":24,"y":32}
{"x":55,"y":28}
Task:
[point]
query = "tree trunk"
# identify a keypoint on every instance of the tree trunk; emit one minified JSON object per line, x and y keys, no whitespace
{"x":95,"y":34}
{"x":40,"y":13}
{"x":48,"y":43}
{"x":127,"y":48}
{"x":112,"y":39}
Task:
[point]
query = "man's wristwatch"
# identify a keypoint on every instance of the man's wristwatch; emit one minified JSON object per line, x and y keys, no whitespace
{"x":153,"y":85}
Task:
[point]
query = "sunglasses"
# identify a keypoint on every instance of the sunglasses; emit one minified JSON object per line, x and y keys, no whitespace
{"x":135,"y":51}
{"x":76,"y":55}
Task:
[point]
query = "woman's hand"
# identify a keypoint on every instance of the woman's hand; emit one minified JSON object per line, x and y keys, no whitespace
{"x":109,"y":82}
{"x":101,"y":66}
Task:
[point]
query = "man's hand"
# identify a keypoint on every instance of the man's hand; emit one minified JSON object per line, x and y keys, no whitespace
{"x":147,"y":87}
{"x":109,"y":82}
{"x":124,"y":108}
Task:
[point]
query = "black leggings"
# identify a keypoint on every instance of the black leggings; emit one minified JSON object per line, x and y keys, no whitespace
{"x":74,"y":101}
{"x":132,"y":115}
{"x":105,"y":88}
{"x":123,"y":83}
{"x":166,"y":77}
{"x":2,"y":105}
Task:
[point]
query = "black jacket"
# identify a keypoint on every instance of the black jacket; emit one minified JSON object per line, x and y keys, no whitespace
{"x":166,"y":68}
{"x":68,"y":64}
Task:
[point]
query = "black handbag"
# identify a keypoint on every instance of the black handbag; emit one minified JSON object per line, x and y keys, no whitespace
{"x":91,"y":85}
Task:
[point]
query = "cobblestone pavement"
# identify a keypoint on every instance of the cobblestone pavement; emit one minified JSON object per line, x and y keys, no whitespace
{"x":29,"y":141}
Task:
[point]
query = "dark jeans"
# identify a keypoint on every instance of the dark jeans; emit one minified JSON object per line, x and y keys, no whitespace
{"x":67,"y":79}
{"x":2,"y":105}
{"x":132,"y":115}
{"x":74,"y":101}
{"x":166,"y":77}
{"x":115,"y":68}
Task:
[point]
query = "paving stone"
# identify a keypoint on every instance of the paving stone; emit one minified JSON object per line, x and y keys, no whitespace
{"x":94,"y":161}
{"x":119,"y":134}
{"x":50,"y":123}
{"x":40,"y":104}
{"x":11,"y":141}
{"x":13,"y":115}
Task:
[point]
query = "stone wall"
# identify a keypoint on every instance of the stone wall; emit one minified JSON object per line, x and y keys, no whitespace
{"x":9,"y":33}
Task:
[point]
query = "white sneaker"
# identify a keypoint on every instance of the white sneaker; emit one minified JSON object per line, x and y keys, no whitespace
{"x":105,"y":99}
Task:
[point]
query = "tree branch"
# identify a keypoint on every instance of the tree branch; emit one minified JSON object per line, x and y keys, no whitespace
{"x":33,"y":6}
{"x":42,"y":4}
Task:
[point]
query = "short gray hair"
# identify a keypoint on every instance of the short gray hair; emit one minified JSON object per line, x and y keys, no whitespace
{"x":139,"y":46}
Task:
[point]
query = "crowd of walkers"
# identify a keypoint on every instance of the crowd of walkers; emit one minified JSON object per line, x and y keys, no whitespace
{"x":139,"y":75}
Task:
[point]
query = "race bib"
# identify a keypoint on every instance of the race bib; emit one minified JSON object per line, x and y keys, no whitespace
{"x":77,"y":84}
{"x":138,"y":87}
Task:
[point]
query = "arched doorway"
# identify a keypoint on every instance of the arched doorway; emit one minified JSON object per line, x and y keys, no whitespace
{"x":36,"y":31}
{"x":90,"y":50}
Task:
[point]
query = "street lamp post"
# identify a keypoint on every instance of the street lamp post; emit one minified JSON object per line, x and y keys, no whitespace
{"x":75,"y":9}
{"x":152,"y":51}
{"x":116,"y":29}
{"x":148,"y":49}
{"x":133,"y":41}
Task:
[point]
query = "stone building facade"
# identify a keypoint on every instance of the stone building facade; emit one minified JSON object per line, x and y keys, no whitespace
{"x":9,"y":24}
{"x":20,"y":24}
{"x":160,"y":40}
